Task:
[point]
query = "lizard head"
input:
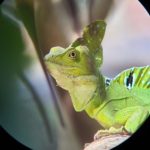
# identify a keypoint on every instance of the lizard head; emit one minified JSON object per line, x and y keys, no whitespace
{"x":66,"y":64}
{"x":72,"y":61}
{"x":82,"y":58}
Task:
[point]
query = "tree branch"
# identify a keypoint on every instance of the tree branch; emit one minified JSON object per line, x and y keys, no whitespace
{"x":107,"y":142}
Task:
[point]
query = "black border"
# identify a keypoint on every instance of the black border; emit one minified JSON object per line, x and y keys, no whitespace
{"x":139,"y":140}
{"x":7,"y":141}
{"x":146,"y":5}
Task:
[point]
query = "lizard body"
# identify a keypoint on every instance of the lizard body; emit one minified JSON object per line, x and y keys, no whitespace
{"x":120,"y":102}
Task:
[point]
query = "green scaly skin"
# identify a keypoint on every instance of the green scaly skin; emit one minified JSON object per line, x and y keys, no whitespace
{"x":119,"y":103}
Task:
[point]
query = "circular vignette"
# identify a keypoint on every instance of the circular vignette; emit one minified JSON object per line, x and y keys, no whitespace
{"x":146,"y":5}
{"x":7,"y":141}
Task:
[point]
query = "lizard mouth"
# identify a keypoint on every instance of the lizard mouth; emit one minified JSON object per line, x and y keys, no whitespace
{"x":58,"y":68}
{"x":52,"y":61}
{"x":62,"y":66}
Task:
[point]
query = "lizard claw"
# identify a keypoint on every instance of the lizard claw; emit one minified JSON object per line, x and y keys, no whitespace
{"x":102,"y":133}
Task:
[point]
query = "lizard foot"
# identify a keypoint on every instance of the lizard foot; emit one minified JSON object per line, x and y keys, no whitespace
{"x":102,"y":133}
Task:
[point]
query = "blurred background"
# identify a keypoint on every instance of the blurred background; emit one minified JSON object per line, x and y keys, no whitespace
{"x":32,"y":109}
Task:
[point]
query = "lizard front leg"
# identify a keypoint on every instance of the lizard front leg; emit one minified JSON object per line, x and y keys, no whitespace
{"x":130,"y":118}
{"x":138,"y":115}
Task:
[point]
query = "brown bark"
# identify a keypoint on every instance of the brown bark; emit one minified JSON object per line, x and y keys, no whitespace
{"x":107,"y":142}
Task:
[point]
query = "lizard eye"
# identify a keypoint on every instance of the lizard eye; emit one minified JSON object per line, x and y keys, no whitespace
{"x":72,"y":54}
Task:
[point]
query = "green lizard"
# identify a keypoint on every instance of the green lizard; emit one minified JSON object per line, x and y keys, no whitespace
{"x":119,"y":104}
